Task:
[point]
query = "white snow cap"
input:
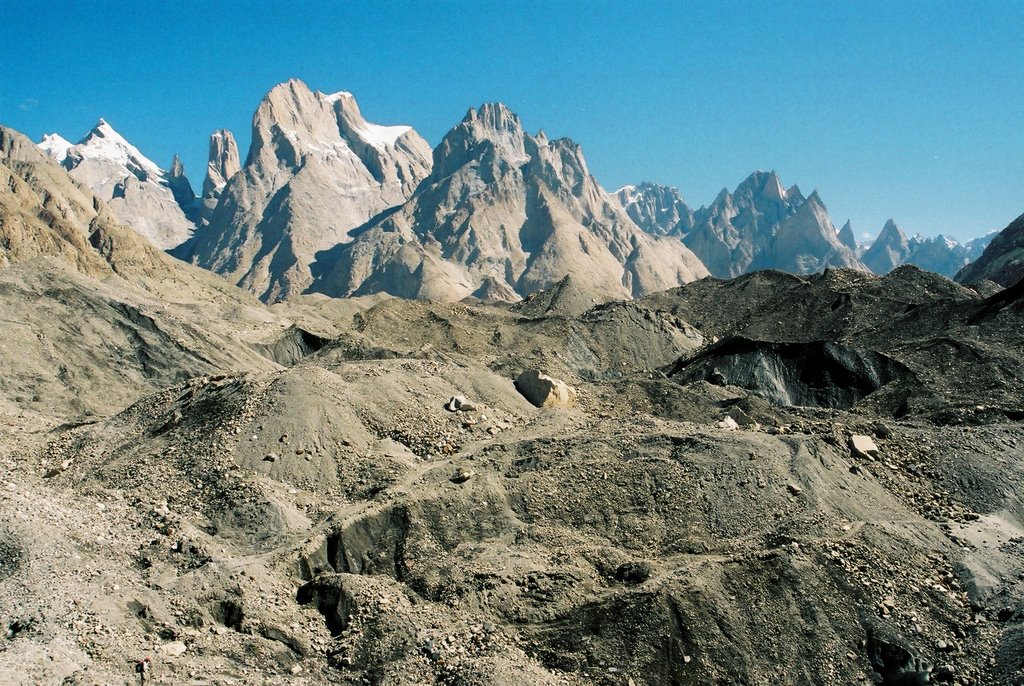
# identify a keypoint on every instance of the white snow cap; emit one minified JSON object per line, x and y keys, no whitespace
{"x":374,"y":134}
{"x":335,"y":97}
{"x":104,"y":143}
{"x":55,"y":145}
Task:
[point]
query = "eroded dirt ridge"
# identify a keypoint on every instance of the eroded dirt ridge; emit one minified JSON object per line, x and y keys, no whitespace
{"x":696,"y":512}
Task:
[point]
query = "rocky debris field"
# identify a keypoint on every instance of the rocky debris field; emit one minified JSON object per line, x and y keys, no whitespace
{"x":768,"y":480}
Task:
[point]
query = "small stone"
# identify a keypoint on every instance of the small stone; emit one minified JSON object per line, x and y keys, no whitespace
{"x":461,"y":476}
{"x":272,"y":457}
{"x":729,"y":424}
{"x":794,"y":489}
{"x":296,"y":669}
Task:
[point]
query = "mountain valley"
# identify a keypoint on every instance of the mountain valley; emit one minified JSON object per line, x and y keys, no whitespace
{"x":367,"y":412}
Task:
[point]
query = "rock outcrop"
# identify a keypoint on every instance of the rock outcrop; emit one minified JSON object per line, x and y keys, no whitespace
{"x":316,"y":170}
{"x":658,"y":210}
{"x":1003,"y":259}
{"x":224,"y":163}
{"x":502,"y":214}
{"x":142,"y":196}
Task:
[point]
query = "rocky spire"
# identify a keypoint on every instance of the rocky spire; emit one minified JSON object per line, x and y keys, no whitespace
{"x":224,"y":163}
{"x":847,"y":237}
{"x":889,"y":250}
{"x":316,"y":169}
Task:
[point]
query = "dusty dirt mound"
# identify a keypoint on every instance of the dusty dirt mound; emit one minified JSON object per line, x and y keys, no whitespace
{"x":326,"y":515}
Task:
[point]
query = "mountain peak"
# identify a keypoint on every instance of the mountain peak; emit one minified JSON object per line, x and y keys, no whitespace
{"x":889,"y":250}
{"x":177,"y":168}
{"x":891,"y":234}
{"x":494,"y":115}
{"x":491,"y":124}
{"x":847,"y":237}
{"x":772,"y":187}
{"x":55,"y":146}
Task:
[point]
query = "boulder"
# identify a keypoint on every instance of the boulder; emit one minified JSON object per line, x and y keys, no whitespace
{"x":743,"y":419}
{"x":458,"y":403}
{"x":545,"y":391}
{"x":728,"y":423}
{"x":174,"y":648}
{"x":863,"y":446}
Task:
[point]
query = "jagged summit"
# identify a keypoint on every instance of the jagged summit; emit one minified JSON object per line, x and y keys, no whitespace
{"x":504,"y":213}
{"x":492,"y":124}
{"x":658,"y":210}
{"x":940,"y":254}
{"x":155,"y":203}
{"x":743,"y":230}
{"x":847,"y":237}
{"x":316,"y":170}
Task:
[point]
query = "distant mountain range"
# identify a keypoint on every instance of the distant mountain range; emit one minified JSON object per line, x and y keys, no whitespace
{"x":328,"y":202}
{"x":762,"y":225}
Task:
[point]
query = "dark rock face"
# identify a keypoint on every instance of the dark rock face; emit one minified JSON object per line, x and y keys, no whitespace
{"x":1003,"y":259}
{"x":819,"y":373}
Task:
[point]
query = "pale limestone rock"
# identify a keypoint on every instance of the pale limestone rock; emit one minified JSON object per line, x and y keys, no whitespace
{"x":863,"y":446}
{"x":545,"y":391}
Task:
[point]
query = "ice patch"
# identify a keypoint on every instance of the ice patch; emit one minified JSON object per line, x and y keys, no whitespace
{"x":335,"y":97}
{"x":381,"y":136}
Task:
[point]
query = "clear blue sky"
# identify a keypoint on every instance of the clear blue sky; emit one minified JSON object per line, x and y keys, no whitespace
{"x":913,"y":110}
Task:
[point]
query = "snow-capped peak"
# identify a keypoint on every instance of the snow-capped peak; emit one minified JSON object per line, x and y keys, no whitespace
{"x":55,"y":145}
{"x":104,"y":143}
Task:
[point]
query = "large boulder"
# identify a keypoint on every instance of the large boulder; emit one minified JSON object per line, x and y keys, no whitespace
{"x":545,"y":391}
